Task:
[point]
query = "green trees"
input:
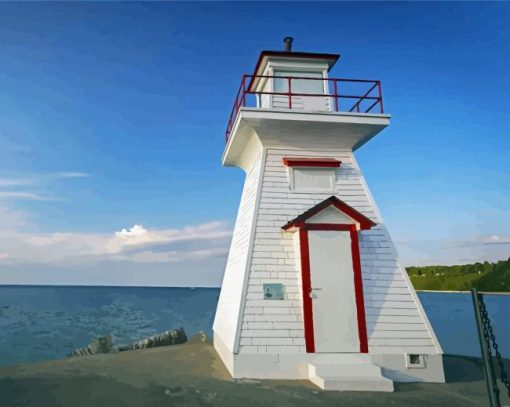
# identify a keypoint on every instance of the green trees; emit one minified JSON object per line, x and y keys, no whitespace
{"x":483,"y":276}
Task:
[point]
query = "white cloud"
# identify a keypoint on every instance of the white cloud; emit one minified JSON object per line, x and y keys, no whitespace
{"x":26,"y":196}
{"x":134,"y":236}
{"x":495,"y":239}
{"x":191,"y":255}
{"x":135,"y":232}
{"x":39,"y":178}
{"x":14,"y":182}
{"x":128,"y":240}
{"x":490,"y":247}
{"x":21,"y":188}
{"x":70,"y":174}
{"x":10,"y":218}
{"x":201,"y":249}
{"x":482,"y":240}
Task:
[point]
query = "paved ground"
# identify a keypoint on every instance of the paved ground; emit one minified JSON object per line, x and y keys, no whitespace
{"x":192,"y":375}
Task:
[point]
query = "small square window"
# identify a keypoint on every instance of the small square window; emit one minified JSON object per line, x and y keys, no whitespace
{"x":415,"y":361}
{"x":312,"y":179}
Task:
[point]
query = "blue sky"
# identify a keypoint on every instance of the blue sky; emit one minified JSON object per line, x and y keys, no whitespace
{"x":113,"y":115}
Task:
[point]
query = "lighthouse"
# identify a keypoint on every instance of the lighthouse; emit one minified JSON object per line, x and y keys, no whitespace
{"x":313,"y":287}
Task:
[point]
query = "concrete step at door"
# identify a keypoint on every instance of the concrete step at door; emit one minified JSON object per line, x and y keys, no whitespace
{"x":342,"y":377}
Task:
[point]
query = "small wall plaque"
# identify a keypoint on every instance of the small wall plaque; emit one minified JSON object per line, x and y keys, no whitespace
{"x":273,"y":291}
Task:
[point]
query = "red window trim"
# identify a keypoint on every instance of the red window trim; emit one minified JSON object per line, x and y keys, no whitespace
{"x":311,"y":162}
{"x":307,"y":287}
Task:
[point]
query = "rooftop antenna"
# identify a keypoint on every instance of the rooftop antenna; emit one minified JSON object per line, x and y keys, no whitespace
{"x":288,"y":44}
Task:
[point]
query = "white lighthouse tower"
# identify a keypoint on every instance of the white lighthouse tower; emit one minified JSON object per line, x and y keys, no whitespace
{"x":313,"y":288}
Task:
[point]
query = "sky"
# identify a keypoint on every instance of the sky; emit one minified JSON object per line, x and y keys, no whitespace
{"x":112,"y":121}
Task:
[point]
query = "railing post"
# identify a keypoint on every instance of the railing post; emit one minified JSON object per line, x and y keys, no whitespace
{"x":335,"y":81}
{"x":229,"y":128}
{"x":488,"y":366}
{"x":243,"y":97}
{"x":380,"y":96}
{"x":289,"y":79}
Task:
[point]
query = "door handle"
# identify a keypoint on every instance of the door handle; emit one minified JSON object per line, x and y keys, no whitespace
{"x":312,"y":290}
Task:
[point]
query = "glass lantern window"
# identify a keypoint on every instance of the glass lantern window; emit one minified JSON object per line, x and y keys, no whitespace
{"x":299,"y":85}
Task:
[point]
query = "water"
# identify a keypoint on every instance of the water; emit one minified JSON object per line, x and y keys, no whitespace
{"x":452,"y":317}
{"x":39,"y":323}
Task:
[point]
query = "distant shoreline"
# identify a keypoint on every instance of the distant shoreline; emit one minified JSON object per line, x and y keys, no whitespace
{"x":209,"y":287}
{"x":464,"y":292}
{"x":493,"y":278}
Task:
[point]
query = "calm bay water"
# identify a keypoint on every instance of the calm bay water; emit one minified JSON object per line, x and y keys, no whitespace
{"x":39,"y":323}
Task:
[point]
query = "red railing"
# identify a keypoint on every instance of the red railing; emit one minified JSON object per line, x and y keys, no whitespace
{"x":365,"y":94}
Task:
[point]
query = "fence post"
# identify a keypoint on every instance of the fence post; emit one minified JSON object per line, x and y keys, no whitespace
{"x":488,"y":366}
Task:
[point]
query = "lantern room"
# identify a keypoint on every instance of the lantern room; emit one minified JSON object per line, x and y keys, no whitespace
{"x":297,"y":80}
{"x":291,"y":94}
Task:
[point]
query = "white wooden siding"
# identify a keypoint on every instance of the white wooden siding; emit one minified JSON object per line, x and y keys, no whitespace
{"x":227,"y":316}
{"x":394,"y":320}
{"x":306,"y":103}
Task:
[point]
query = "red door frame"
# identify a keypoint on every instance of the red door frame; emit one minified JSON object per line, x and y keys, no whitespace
{"x":307,"y":283}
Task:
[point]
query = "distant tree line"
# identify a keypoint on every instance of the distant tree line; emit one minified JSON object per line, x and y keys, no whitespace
{"x":483,"y":276}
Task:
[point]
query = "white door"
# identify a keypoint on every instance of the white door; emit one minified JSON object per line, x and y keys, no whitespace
{"x":335,"y":319}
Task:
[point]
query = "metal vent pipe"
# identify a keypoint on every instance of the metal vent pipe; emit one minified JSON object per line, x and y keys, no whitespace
{"x":288,"y":44}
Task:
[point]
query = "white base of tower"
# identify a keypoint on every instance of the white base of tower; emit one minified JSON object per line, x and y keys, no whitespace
{"x":333,"y":371}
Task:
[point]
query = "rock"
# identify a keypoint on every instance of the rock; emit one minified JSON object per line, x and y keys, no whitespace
{"x":200,"y":337}
{"x":103,"y":344}
{"x":173,"y":337}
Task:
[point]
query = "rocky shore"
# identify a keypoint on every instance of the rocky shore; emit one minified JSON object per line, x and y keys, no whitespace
{"x":105,"y":344}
